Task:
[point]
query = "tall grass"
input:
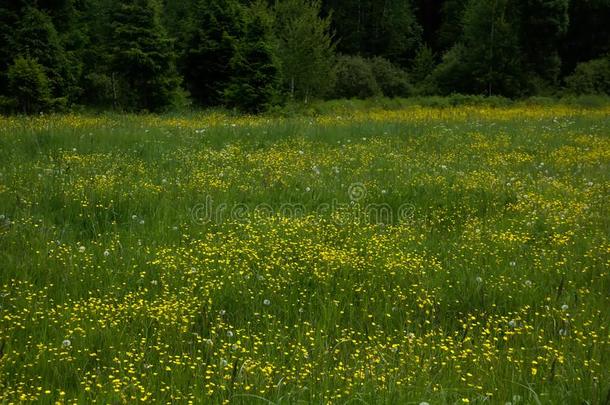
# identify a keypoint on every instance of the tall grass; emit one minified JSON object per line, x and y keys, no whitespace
{"x":211,"y":258}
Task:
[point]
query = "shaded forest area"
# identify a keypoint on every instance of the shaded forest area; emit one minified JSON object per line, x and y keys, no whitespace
{"x":153,"y":55}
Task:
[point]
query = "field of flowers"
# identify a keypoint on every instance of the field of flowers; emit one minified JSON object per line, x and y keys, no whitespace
{"x":421,"y":255}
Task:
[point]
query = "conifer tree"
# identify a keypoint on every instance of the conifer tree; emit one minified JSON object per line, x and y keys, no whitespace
{"x":143,"y":57}
{"x":492,"y":52}
{"x":211,"y":46}
{"x":36,"y":38}
{"x":254,"y":81}
{"x":306,"y":48}
{"x":29,"y":85}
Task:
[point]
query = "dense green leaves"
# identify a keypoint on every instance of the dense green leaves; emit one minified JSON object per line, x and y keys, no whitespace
{"x":29,"y":85}
{"x":244,"y":54}
{"x":143,"y":57}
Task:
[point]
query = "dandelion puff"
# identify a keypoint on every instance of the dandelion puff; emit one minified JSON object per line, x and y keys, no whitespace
{"x":222,"y":312}
{"x":564,"y":307}
{"x":308,"y":189}
{"x":82,"y":249}
{"x":106,"y":253}
{"x":479,"y":280}
{"x":266,"y":302}
{"x":134,"y":217}
{"x":512,"y":323}
{"x":223,"y":363}
{"x":66,"y":343}
{"x":141,"y":222}
{"x":528,"y":283}
{"x":230,"y":333}
{"x":424,"y":403}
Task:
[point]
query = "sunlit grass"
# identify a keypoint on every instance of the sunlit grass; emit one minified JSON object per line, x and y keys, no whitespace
{"x":488,"y":283}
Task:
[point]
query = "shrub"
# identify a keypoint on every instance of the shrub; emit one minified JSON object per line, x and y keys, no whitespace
{"x":354,"y":78}
{"x":592,"y":77}
{"x":392,"y":81}
{"x":29,"y":85}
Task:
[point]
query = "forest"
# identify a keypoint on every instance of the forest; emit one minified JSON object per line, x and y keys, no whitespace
{"x":154,"y":55}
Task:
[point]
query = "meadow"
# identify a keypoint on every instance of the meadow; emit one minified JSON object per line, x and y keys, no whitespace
{"x":411,"y":256}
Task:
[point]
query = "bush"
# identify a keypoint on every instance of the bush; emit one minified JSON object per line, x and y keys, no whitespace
{"x":98,"y":89}
{"x":392,"y":81}
{"x":451,"y":75}
{"x":354,"y":78}
{"x":592,"y":77}
{"x":421,"y":71}
{"x":29,"y":85}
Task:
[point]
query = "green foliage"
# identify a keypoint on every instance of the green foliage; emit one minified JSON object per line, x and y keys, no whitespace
{"x":592,"y":77}
{"x":392,"y":81}
{"x":452,"y":74}
{"x":37,"y":38}
{"x":423,"y":66}
{"x":29,"y":85}
{"x":305,"y":48}
{"x":255,"y":76}
{"x":211,"y":46}
{"x":354,"y":78}
{"x":588,"y":36}
{"x":143,"y":57}
{"x":492,"y":48}
{"x":451,"y":28}
{"x":376,"y":28}
{"x":543,"y":24}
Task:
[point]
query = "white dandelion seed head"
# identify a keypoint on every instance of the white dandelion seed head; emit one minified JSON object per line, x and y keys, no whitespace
{"x":222,"y":312}
{"x":106,"y":253}
{"x":223,"y":363}
{"x":308,"y":189}
{"x":564,"y":307}
{"x":528,"y":283}
{"x":479,"y":279}
{"x":266,"y":302}
{"x":424,"y":403}
{"x":66,"y":343}
{"x":141,"y":222}
{"x":82,"y":249}
{"x":512,"y":323}
{"x":230,"y":333}
{"x":134,"y":217}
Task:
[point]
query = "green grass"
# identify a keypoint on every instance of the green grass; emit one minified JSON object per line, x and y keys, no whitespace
{"x":152,"y":258}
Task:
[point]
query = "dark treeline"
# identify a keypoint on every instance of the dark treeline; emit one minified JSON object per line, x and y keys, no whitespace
{"x":151,"y":55}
